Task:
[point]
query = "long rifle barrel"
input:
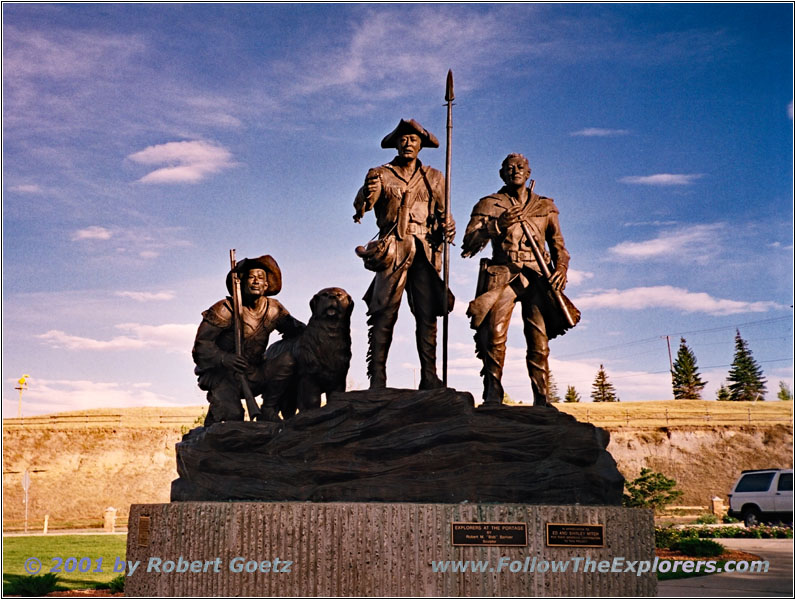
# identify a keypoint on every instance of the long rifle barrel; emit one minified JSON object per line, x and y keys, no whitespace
{"x":537,"y":253}
{"x":237,"y":318}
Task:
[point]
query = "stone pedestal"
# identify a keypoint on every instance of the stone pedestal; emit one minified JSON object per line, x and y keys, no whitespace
{"x":376,"y":549}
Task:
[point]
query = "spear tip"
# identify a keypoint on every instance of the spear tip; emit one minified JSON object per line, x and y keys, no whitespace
{"x":449,"y":87}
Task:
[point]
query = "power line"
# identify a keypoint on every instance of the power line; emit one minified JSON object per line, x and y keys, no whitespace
{"x":771,"y":320}
{"x":682,"y":333}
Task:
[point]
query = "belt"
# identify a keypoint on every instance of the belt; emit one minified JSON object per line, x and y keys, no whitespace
{"x":416,"y":228}
{"x":520,"y":256}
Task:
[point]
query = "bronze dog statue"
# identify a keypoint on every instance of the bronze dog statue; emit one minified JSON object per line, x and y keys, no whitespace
{"x":299,"y":369}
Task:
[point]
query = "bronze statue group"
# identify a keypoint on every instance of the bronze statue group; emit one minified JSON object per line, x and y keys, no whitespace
{"x":528,"y":266}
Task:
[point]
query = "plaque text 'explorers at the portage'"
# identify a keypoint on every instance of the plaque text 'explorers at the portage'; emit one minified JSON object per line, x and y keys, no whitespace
{"x":489,"y":534}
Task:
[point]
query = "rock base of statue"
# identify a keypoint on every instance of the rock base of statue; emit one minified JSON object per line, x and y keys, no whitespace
{"x":402,"y":446}
{"x":363,"y":549}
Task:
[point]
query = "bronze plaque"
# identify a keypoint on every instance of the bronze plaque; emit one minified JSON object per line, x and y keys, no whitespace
{"x":489,"y":534}
{"x":580,"y":535}
{"x":143,"y":531}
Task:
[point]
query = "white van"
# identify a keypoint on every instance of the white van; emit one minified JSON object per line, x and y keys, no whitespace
{"x":763,"y":495}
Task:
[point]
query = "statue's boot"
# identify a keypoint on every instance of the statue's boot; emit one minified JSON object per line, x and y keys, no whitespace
{"x":426,"y":338}
{"x":493,"y":390}
{"x":379,"y":340}
{"x":269,"y":411}
{"x":537,"y":370}
{"x":492,"y":355}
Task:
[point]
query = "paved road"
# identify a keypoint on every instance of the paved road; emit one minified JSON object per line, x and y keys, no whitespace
{"x":778,"y":582}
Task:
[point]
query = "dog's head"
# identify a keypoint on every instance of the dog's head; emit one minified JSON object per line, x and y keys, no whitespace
{"x":332,"y":304}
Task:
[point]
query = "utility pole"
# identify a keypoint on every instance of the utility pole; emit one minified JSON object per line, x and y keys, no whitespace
{"x":22,"y":385}
{"x":671,"y":365}
{"x":26,"y":487}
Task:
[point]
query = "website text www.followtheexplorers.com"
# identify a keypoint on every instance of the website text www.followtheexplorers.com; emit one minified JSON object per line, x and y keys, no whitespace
{"x":581,"y":564}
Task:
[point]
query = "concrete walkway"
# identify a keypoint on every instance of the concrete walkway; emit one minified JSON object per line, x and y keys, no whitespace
{"x":119,"y":531}
{"x":778,"y":582}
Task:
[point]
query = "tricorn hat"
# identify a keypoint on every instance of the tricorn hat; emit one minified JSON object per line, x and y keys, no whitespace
{"x":427,"y":139}
{"x":266,"y":262}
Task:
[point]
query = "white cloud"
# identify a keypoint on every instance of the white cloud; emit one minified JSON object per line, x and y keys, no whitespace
{"x":575,"y":277}
{"x":662,"y":179}
{"x":649,"y":223}
{"x":30,"y":188}
{"x":631,"y":385}
{"x":57,"y":395}
{"x":780,"y":245}
{"x":64,"y":54}
{"x":693,"y":240}
{"x":188,"y":162}
{"x":92,"y":233}
{"x":171,"y":337}
{"x":671,"y":298}
{"x":424,"y":42}
{"x":147,"y":296}
{"x":146,"y":242}
{"x":599,"y":132}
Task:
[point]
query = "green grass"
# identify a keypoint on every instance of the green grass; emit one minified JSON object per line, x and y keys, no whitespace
{"x":45,"y":548}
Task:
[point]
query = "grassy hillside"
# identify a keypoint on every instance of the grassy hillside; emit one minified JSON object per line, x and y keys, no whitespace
{"x":664,"y":413}
{"x":83,"y":462}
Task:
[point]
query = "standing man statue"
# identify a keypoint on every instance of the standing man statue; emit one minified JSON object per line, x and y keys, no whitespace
{"x":516,"y":274}
{"x":408,"y":199}
{"x":217,"y":364}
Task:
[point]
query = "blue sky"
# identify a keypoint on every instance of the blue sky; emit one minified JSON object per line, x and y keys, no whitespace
{"x":142,"y":142}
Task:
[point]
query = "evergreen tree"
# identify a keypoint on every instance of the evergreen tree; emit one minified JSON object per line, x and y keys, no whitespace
{"x":746,"y":377}
{"x":723,"y":393}
{"x":650,"y":490}
{"x":571,"y":395}
{"x":552,"y":388}
{"x":784,"y":392}
{"x":603,"y":390}
{"x":686,"y":382}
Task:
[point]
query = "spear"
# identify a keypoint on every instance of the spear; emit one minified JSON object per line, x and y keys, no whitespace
{"x":446,"y":247}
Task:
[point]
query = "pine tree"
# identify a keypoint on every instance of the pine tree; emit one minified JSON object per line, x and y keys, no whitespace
{"x":746,"y":377}
{"x":723,"y":393}
{"x":552,"y":388}
{"x":572,"y":394}
{"x":686,"y":382}
{"x":784,"y":392}
{"x":603,"y":390}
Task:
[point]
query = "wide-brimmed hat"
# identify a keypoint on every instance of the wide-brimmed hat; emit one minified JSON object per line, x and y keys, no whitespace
{"x":273,"y":275}
{"x":427,"y":139}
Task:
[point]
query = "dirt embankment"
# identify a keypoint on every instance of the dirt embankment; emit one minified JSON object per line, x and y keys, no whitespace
{"x":76,"y":473}
{"x":704,"y":460}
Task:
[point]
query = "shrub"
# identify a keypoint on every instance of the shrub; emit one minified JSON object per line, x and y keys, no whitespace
{"x":117,"y":584}
{"x":699,"y":547}
{"x":197,"y":422}
{"x":666,"y":537}
{"x":650,"y":490}
{"x":32,"y":585}
{"x":707,"y":519}
{"x":731,"y":531}
{"x":729,"y":519}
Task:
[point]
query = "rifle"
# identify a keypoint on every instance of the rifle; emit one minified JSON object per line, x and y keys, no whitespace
{"x":537,"y":253}
{"x":237,"y":319}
